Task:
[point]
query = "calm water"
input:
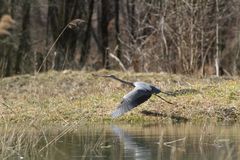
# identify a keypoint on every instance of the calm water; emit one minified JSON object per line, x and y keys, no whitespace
{"x":113,"y":142}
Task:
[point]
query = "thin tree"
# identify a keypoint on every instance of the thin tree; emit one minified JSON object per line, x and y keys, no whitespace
{"x":117,"y":28}
{"x":24,"y":45}
{"x":217,"y":40}
{"x":104,"y":32}
{"x":86,"y":39}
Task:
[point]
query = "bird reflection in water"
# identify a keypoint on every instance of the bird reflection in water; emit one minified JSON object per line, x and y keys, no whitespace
{"x":134,"y":148}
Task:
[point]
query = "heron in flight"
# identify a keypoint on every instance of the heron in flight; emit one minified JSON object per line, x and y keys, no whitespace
{"x":142,"y":92}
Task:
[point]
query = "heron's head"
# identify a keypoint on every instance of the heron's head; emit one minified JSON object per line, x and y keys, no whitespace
{"x":155,"y":90}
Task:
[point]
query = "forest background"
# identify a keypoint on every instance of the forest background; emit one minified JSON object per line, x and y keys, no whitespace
{"x":198,"y":37}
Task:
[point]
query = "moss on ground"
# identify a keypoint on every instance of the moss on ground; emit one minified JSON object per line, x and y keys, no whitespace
{"x":73,"y":96}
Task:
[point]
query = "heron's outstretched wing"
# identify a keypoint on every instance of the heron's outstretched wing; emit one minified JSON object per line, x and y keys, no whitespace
{"x":131,"y":100}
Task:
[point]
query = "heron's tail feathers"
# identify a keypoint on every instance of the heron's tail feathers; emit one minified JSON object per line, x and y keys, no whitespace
{"x":123,"y":108}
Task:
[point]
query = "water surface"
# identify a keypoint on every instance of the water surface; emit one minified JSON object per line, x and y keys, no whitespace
{"x":135,"y":142}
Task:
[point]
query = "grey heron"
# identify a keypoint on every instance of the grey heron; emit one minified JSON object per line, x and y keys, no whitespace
{"x":142,"y":92}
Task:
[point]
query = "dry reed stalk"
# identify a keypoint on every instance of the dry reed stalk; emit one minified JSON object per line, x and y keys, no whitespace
{"x":70,"y":128}
{"x":16,"y":141}
{"x":171,"y":144}
{"x":72,"y":25}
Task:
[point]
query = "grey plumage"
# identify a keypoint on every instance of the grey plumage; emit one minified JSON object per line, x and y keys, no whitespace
{"x":131,"y":100}
{"x":141,"y":93}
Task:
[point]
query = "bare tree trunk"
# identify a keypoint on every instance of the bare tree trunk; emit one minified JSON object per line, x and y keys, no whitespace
{"x":86,"y":40}
{"x":237,"y":52}
{"x":24,"y":46}
{"x":236,"y":56}
{"x":9,"y":48}
{"x":217,"y":41}
{"x":202,"y":41}
{"x":117,"y":29}
{"x":131,"y":20}
{"x":190,"y":65}
{"x":104,"y":32}
{"x":53,"y":22}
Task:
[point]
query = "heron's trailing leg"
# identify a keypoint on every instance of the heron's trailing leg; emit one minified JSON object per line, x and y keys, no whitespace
{"x":114,"y":77}
{"x":163,"y":99}
{"x":168,"y":94}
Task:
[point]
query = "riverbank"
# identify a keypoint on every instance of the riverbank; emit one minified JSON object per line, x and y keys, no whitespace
{"x":73,"y":96}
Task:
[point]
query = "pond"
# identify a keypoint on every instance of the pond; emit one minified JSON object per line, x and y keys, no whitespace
{"x":133,"y":142}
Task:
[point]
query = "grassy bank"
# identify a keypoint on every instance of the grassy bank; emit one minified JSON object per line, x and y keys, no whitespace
{"x":72,"y":96}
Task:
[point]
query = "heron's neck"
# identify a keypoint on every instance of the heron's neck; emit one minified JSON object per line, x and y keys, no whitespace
{"x":125,"y":82}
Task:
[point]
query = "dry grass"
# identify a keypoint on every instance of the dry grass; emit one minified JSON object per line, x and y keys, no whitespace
{"x":26,"y":141}
{"x":71,"y":96}
{"x":18,"y":141}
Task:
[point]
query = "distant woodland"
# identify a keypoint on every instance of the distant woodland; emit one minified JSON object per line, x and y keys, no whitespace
{"x":200,"y":37}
